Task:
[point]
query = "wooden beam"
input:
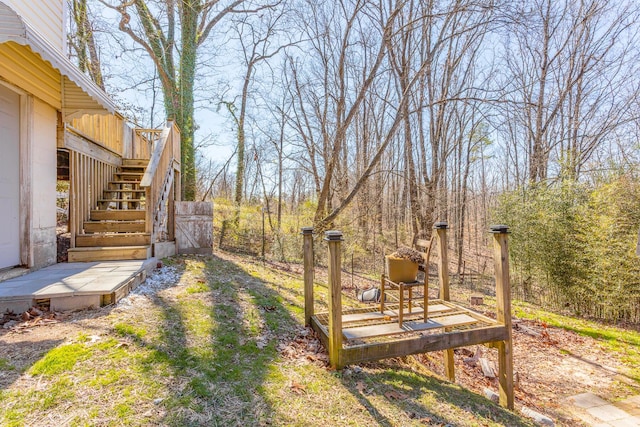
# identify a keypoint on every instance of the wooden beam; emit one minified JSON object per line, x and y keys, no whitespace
{"x":334,"y":239}
{"x":443,"y":262}
{"x":320,"y":330}
{"x":422,"y":344}
{"x":503,"y":302}
{"x":307,"y":255}
{"x":443,"y":276}
{"x":74,"y":140}
{"x":383,"y":295}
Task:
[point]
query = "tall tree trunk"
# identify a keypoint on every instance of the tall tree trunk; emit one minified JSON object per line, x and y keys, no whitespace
{"x":84,"y":43}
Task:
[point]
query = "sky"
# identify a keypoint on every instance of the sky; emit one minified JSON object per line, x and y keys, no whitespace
{"x":130,"y":81}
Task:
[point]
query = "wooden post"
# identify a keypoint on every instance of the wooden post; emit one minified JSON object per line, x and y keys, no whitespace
{"x":443,"y":276}
{"x":334,"y":239}
{"x":307,"y":255}
{"x":503,"y":302}
{"x":443,"y":263}
{"x":401,"y":306}
{"x":382,"y":295}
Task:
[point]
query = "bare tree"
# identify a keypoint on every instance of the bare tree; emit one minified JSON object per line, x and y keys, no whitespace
{"x":172,"y":32}
{"x":569,"y":65}
{"x":260,"y":38}
{"x":83,"y":42}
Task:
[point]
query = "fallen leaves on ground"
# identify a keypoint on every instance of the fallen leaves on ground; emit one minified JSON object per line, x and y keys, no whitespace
{"x":395,"y":395}
{"x":35,"y":316}
{"x":297,"y":388}
{"x":305,"y":347}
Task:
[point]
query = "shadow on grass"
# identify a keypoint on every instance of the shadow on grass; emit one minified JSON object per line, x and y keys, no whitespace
{"x":422,"y":398}
{"x":219,"y":338}
{"x":12,"y":365}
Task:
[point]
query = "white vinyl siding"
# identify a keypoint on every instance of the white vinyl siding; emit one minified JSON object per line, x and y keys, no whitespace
{"x":9,"y":178}
{"x":20,"y":66}
{"x":45,"y":16}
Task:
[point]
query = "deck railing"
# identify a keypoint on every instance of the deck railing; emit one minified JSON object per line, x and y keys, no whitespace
{"x":144,"y":141}
{"x":105,"y":130}
{"x":88,"y":178}
{"x":158,"y":181}
{"x":115,"y":134}
{"x":91,"y":170}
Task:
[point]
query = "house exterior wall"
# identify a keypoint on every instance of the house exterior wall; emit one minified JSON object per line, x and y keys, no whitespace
{"x":47,"y":16}
{"x":43,"y":184}
{"x":26,"y":70}
{"x":9,"y":177}
{"x":51,"y":89}
{"x":40,"y":87}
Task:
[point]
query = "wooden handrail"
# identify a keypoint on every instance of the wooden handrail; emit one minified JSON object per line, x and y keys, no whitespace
{"x":159,"y":178}
{"x":156,"y":156}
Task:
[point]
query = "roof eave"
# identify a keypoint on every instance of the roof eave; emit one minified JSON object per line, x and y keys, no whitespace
{"x":14,"y":29}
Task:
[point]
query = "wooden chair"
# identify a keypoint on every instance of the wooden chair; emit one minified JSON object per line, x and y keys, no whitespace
{"x":405,"y":289}
{"x":403,"y":296}
{"x":424,"y":247}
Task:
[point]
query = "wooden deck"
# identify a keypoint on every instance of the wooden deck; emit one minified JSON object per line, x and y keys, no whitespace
{"x":400,"y":329}
{"x":371,"y":335}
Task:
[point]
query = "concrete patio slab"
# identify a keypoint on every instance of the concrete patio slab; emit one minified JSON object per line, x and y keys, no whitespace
{"x":626,"y":422}
{"x":607,"y":413}
{"x":600,"y":413}
{"x":73,"y":285}
{"x":587,"y":400}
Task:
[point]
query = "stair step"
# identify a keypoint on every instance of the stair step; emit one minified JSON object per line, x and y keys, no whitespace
{"x":118,"y":215}
{"x":120,"y":190}
{"x":135,"y":162}
{"x":114,"y":253}
{"x":130,"y":170}
{"x":114,"y":226}
{"x":113,"y":239}
{"x":123,"y":182}
{"x":120,"y":200}
{"x":128,"y":195}
{"x":125,"y":173}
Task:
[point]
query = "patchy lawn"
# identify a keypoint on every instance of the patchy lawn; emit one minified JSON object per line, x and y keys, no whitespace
{"x":219,"y":341}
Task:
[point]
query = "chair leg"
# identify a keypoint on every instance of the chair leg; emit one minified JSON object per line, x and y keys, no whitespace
{"x":425,"y":303}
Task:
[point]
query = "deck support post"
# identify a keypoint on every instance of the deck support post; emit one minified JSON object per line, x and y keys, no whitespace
{"x":307,"y":256}
{"x":503,"y":302}
{"x":443,"y":277}
{"x":334,"y":239}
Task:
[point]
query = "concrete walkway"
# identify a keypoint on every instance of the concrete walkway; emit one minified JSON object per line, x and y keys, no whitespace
{"x":68,"y":286}
{"x":598,"y":412}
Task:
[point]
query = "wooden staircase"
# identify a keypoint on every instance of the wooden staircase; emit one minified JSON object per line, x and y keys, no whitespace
{"x":116,"y":229}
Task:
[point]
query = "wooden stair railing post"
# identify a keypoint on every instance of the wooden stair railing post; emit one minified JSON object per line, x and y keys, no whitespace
{"x":148,"y":207}
{"x":443,"y":276}
{"x":334,"y":239}
{"x":503,"y":302}
{"x":307,"y":251}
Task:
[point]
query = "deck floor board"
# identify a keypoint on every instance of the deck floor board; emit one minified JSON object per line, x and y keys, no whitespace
{"x":392,"y":313}
{"x":384,"y":329}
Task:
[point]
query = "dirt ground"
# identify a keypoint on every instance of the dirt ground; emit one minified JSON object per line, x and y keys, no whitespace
{"x":550,"y":364}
